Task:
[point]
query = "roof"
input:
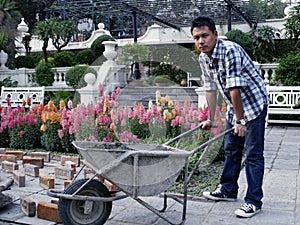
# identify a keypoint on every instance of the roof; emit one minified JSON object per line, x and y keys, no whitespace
{"x":117,"y":14}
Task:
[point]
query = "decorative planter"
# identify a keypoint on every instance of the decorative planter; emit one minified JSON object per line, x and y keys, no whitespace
{"x":3,"y":59}
{"x":110,"y":51}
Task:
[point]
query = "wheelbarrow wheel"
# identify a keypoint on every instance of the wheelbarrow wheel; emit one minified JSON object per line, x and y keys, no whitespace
{"x":72,"y":212}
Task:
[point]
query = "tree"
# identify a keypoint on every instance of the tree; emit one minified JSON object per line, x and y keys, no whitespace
{"x":60,"y":32}
{"x":43,"y":32}
{"x":9,"y":17}
{"x":270,"y":9}
{"x":292,"y":27}
{"x":264,"y":43}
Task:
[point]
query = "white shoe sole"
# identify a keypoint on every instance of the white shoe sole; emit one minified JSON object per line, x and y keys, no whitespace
{"x":241,"y":213}
{"x":207,"y":195}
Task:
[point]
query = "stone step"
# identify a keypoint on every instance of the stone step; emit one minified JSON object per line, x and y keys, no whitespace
{"x":133,"y":94}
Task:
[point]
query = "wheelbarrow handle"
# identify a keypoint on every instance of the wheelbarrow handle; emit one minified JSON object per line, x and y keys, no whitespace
{"x":183,"y":134}
{"x":212,"y":140}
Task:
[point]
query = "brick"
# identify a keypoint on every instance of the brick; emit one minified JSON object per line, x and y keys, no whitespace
{"x":74,"y":159}
{"x":48,"y":211}
{"x":28,"y":206}
{"x":19,"y":154}
{"x":19,"y":178}
{"x":63,"y":172}
{"x":9,"y":158}
{"x":66,"y":183}
{"x":110,"y":186}
{"x":46,"y":181}
{"x":43,"y":155}
{"x":9,"y":167}
{"x":34,"y":161}
{"x":31,"y":170}
{"x":71,"y":165}
{"x":88,"y":173}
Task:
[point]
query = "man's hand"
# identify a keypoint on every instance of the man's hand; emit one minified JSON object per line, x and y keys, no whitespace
{"x":206,"y":125}
{"x":240,"y":130}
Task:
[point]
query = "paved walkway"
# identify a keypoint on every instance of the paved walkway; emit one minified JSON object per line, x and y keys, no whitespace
{"x":281,"y":200}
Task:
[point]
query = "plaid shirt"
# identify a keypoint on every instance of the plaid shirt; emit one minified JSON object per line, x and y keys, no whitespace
{"x":231,"y":67}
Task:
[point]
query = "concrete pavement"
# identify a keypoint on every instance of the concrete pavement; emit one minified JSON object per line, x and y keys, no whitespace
{"x":281,"y":196}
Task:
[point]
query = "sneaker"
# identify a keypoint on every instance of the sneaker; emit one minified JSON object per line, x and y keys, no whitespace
{"x":217,"y":195}
{"x":247,"y":210}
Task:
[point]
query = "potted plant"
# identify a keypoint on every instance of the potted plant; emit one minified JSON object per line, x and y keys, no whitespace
{"x":162,"y":80}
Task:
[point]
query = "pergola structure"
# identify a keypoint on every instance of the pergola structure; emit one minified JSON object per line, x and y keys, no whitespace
{"x":123,"y":18}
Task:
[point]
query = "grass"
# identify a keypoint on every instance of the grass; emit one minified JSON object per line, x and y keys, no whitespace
{"x":206,"y":179}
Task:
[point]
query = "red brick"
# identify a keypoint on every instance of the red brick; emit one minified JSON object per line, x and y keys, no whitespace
{"x":88,"y":173}
{"x":9,"y":158}
{"x":63,"y":172}
{"x":74,"y":159}
{"x":9,"y":167}
{"x":72,"y":165}
{"x":34,"y":161}
{"x":43,"y":155}
{"x":46,"y":181}
{"x":110,"y":186}
{"x":19,"y":154}
{"x":19,"y":178}
{"x":66,"y":183}
{"x":28,"y":206}
{"x":31,"y":170}
{"x":48,"y":211}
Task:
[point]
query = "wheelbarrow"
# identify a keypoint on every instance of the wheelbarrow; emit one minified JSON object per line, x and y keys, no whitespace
{"x":136,"y":169}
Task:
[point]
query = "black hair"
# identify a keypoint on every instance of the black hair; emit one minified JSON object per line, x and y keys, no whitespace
{"x":201,"y":21}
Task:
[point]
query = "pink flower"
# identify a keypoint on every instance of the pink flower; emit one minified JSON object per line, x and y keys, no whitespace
{"x":60,"y":133}
{"x":21,"y":133}
{"x":70,"y":104}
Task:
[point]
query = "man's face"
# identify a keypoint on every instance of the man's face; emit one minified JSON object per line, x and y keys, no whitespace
{"x":205,"y":40}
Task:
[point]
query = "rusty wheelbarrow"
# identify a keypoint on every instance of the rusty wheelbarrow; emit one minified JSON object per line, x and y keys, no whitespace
{"x":136,"y":169}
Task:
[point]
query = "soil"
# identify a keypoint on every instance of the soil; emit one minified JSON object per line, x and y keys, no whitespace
{"x":206,"y":179}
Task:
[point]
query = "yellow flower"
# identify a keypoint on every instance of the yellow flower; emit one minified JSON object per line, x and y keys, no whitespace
{"x":167,"y":115}
{"x":106,"y":105}
{"x":43,"y":128}
{"x":163,"y":101}
{"x":51,"y":105}
{"x":167,"y":98}
{"x":62,"y":104}
{"x":170,"y":104}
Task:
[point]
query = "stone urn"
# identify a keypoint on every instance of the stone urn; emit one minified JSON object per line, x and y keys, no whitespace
{"x":110,"y":50}
{"x":3,"y":59}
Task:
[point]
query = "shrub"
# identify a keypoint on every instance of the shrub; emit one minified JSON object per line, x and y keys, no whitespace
{"x":8,"y":82}
{"x":75,"y":75}
{"x":27,"y":61}
{"x":64,"y":59}
{"x":97,"y":47}
{"x":44,"y":74}
{"x":4,"y":138}
{"x":51,"y":124}
{"x":288,"y":71}
{"x":25,"y":136}
{"x":85,"y":56}
{"x":241,"y":38}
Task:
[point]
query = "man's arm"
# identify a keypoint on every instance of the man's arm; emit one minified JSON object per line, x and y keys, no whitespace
{"x":211,"y":99}
{"x":237,"y":103}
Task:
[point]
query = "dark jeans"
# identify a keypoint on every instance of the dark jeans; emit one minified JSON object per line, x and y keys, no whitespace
{"x":254,"y":162}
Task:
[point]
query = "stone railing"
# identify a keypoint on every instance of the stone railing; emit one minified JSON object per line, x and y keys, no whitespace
{"x":267,"y":71}
{"x":24,"y":77}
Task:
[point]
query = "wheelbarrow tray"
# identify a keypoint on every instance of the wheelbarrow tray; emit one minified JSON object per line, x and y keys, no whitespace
{"x":137,"y":169}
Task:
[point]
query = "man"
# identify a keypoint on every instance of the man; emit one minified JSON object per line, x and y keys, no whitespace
{"x":227,"y":67}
